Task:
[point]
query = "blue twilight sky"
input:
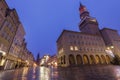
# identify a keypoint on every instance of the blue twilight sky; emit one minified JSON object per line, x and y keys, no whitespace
{"x":44,"y":20}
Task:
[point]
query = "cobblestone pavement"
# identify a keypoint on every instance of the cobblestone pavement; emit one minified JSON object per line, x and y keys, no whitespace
{"x":88,"y":72}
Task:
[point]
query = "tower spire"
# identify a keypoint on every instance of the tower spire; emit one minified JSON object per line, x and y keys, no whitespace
{"x":81,"y":4}
{"x":88,"y":24}
{"x":82,"y":8}
{"x":83,"y":11}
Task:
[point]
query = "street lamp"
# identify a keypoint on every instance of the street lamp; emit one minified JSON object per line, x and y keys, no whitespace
{"x":111,"y":47}
{"x":27,"y":62}
{"x":3,"y":54}
{"x":109,"y":51}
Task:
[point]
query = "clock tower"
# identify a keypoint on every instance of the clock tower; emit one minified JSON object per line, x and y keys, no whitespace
{"x":87,"y":24}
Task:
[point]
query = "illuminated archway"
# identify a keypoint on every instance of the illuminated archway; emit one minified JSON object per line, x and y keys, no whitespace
{"x":107,"y":59}
{"x":103,"y":59}
{"x":71,"y":59}
{"x":85,"y":59}
{"x":61,"y":60}
{"x":79,"y":59}
{"x":98,"y":61}
{"x":92,"y":59}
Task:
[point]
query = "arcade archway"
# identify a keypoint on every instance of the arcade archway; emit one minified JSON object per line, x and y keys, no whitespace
{"x":71,"y":59}
{"x":79,"y":59}
{"x":85,"y":59}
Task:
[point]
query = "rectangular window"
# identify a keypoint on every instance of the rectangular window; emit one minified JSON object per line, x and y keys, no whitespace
{"x":76,"y":48}
{"x":71,"y":48}
{"x":80,"y":49}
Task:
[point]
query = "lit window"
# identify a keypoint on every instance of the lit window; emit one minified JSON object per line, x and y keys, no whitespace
{"x":76,"y":48}
{"x":2,"y":62}
{"x":62,"y":50}
{"x":71,"y":48}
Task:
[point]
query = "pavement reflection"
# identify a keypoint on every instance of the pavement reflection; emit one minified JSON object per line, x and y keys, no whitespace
{"x":45,"y":73}
{"x":20,"y":74}
{"x":88,"y":72}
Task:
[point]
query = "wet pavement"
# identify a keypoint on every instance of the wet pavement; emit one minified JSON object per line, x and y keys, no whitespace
{"x":88,"y":72}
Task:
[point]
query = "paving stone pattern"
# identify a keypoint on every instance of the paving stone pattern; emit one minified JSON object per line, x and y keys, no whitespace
{"x":90,"y":72}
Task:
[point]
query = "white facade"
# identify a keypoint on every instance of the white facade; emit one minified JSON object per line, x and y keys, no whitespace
{"x":85,"y":47}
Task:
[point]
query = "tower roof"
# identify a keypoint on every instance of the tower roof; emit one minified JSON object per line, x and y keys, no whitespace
{"x":82,"y":8}
{"x":81,"y":4}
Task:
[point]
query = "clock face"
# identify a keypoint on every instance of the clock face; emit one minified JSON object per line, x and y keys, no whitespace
{"x":93,"y":20}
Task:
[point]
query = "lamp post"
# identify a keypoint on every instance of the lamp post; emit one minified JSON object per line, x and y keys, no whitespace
{"x":116,"y":58}
{"x":110,"y":51}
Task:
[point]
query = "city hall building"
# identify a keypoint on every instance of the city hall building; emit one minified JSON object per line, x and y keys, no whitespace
{"x":89,"y":46}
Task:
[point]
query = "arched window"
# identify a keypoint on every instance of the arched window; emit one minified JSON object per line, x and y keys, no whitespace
{"x":107,"y":59}
{"x":85,"y":59}
{"x":79,"y":59}
{"x":92,"y":59}
{"x":98,"y":61}
{"x":71,"y":59}
{"x":103,"y":59}
{"x":64,"y":60}
{"x":61,"y":60}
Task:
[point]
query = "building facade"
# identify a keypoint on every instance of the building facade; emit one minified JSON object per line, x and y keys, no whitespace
{"x":52,"y":61}
{"x":11,"y":38}
{"x":44,"y":60}
{"x":8,"y":27}
{"x":85,"y":47}
{"x":27,"y":58}
{"x":112,"y":40}
{"x":15,"y":49}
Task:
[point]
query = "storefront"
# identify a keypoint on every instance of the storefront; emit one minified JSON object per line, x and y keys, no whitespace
{"x":2,"y":59}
